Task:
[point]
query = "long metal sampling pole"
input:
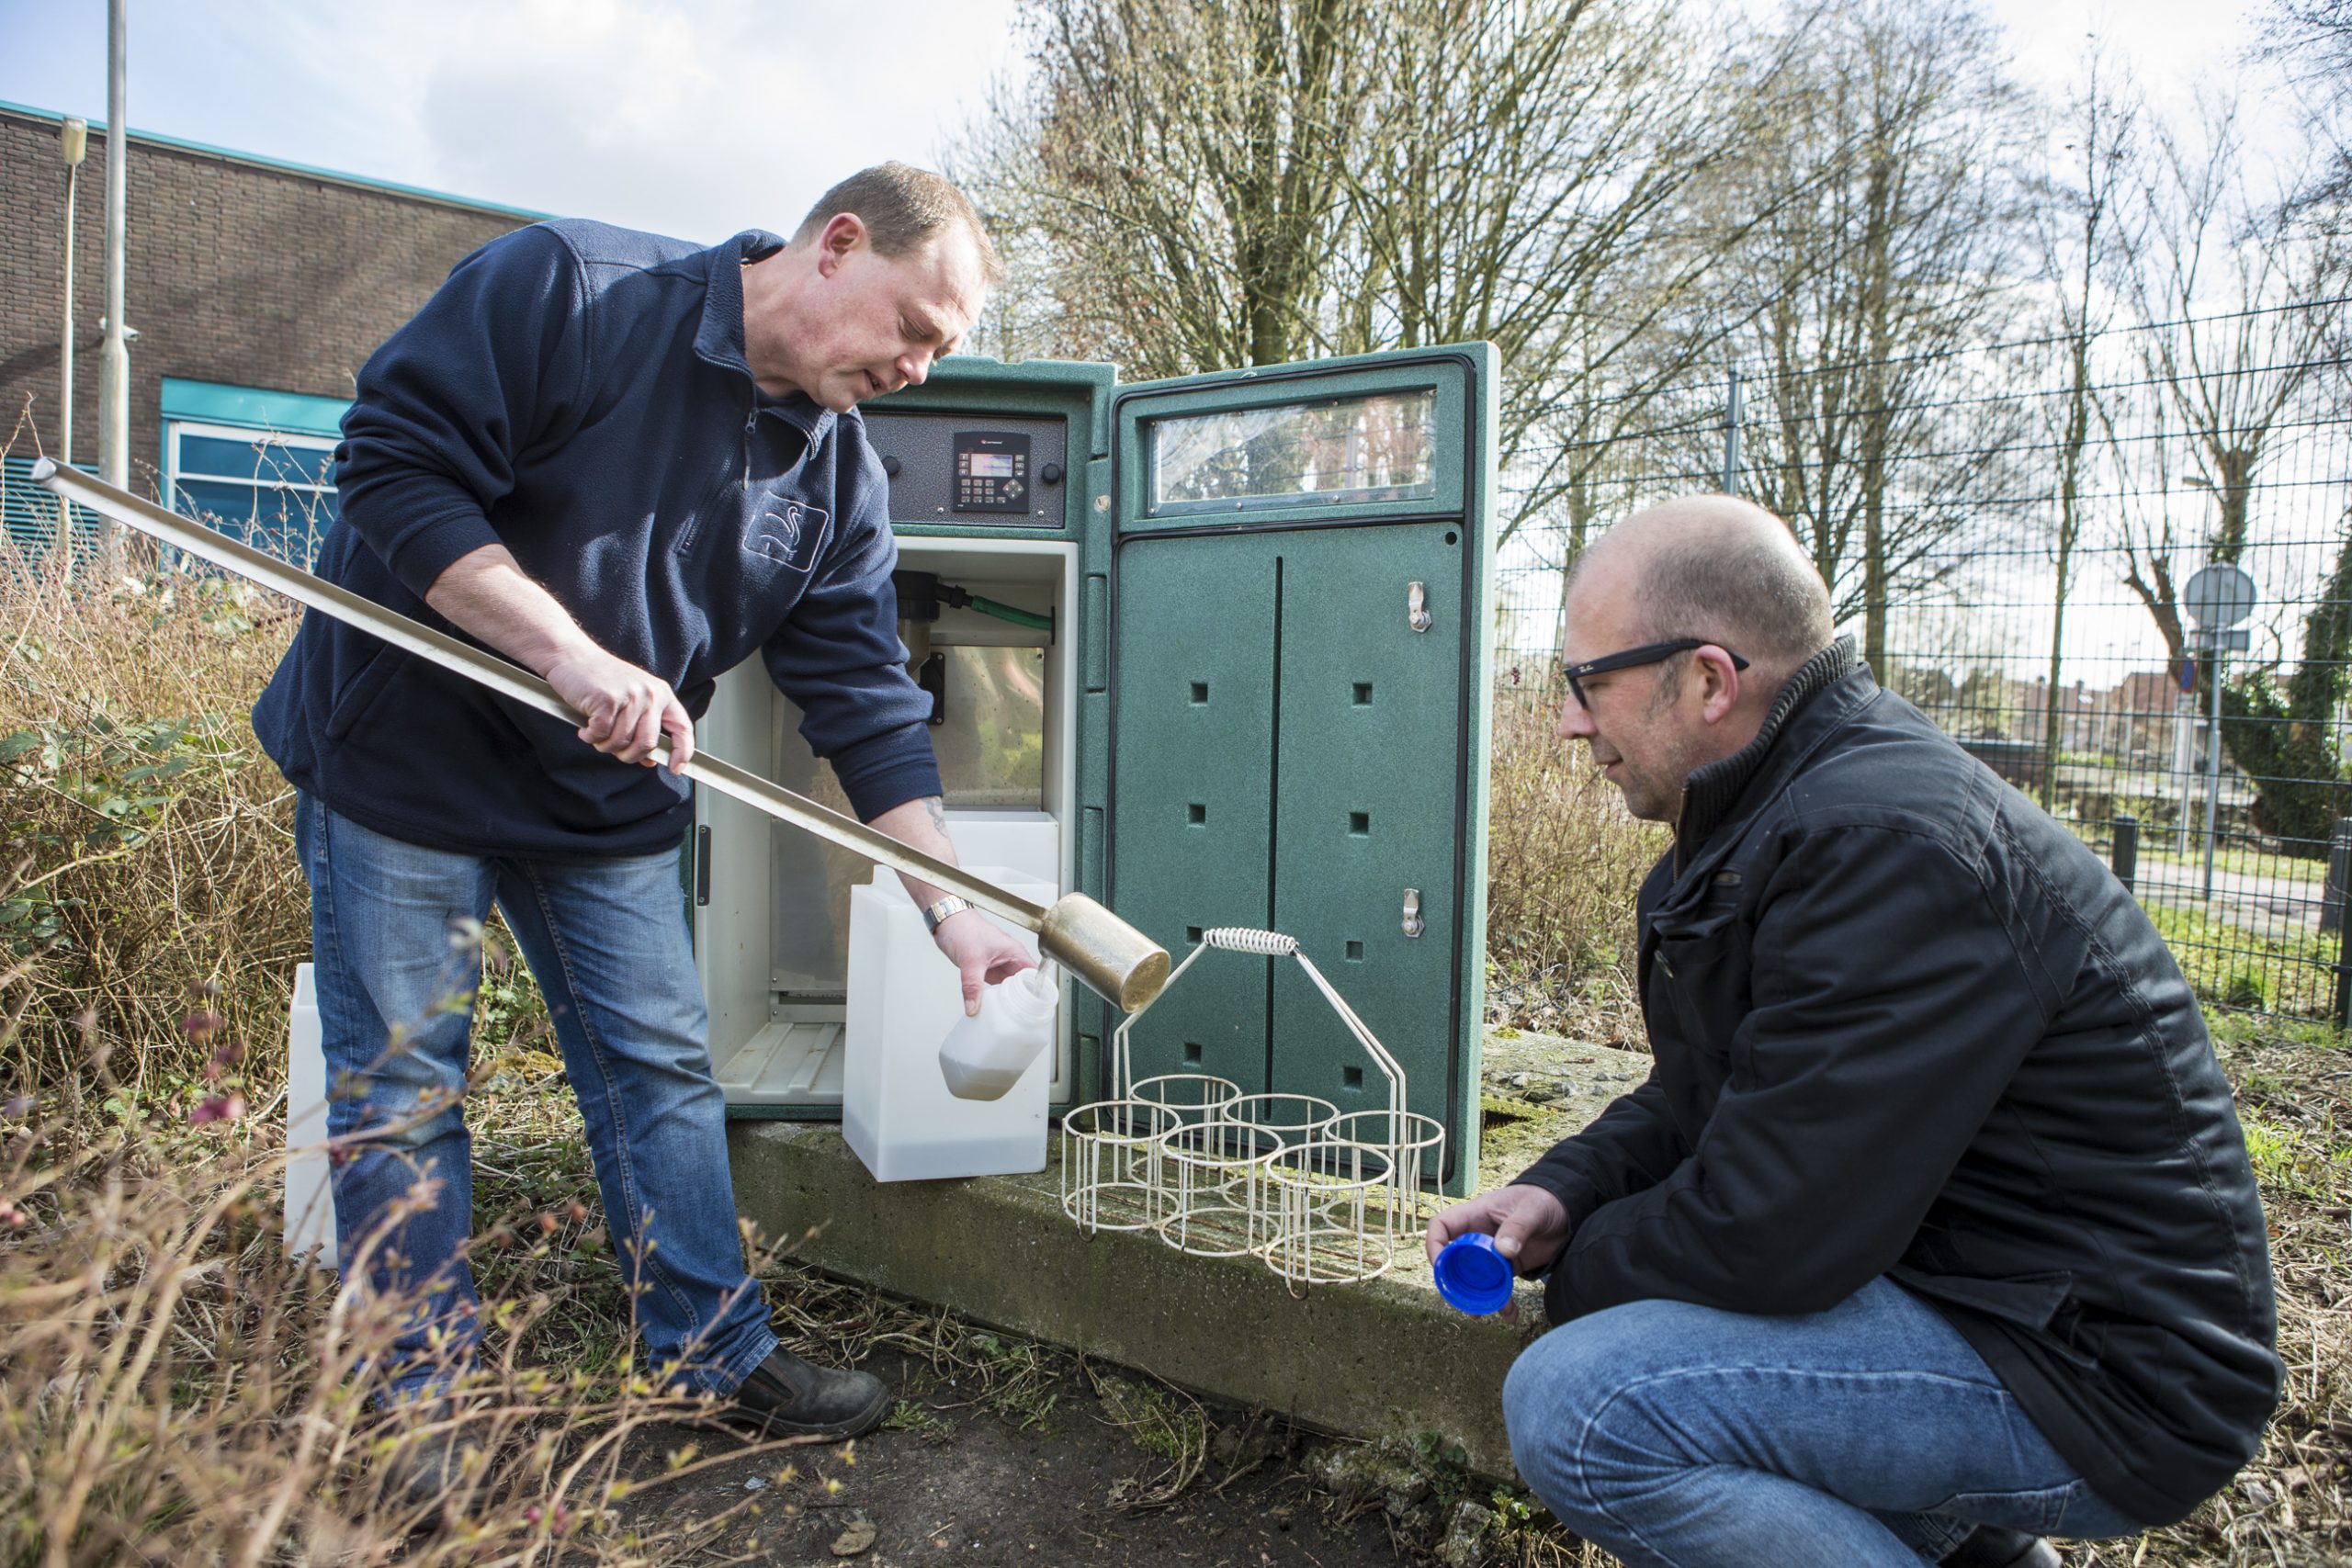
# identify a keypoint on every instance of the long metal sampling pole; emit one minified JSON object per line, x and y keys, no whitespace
{"x":1103,"y":950}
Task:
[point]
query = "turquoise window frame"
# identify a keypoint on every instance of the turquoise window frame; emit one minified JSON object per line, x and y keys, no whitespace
{"x":305,"y":427}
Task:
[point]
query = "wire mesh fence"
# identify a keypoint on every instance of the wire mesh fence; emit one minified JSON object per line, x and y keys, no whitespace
{"x":2038,"y":542}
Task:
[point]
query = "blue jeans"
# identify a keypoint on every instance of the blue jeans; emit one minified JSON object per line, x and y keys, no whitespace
{"x":395,"y":936}
{"x":1683,"y":1436}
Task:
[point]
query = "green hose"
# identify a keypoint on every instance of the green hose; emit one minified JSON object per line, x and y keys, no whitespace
{"x":1007,"y":613}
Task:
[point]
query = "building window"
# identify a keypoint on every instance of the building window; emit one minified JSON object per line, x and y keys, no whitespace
{"x":258,"y":466}
{"x":272,"y":489}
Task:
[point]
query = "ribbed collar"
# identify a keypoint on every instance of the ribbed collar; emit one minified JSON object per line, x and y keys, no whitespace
{"x":719,"y":337}
{"x":1710,"y":793}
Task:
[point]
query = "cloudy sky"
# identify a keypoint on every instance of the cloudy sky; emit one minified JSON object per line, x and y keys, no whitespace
{"x":694,"y":117}
{"x":691,"y":117}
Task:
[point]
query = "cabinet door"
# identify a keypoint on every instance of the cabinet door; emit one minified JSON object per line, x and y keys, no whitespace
{"x":1298,"y":698}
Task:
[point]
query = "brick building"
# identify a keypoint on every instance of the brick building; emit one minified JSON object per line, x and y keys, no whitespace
{"x":256,"y":290}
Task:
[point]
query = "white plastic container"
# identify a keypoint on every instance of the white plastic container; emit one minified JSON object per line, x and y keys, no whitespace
{"x":897,"y":1113}
{"x":984,"y":1055}
{"x":309,"y":1203}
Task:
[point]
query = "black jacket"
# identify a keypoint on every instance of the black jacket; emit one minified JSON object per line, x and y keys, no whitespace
{"x":1903,"y":1023}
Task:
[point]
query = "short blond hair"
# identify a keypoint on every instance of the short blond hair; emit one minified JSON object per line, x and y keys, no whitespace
{"x":903,"y":209}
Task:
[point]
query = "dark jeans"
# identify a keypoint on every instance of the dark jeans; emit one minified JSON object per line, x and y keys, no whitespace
{"x":1683,"y":1436}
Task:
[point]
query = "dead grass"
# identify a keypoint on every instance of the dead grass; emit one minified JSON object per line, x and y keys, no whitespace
{"x":1564,"y":862}
{"x":146,"y":848}
{"x":174,"y":1389}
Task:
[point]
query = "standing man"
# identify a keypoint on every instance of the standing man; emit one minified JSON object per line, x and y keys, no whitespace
{"x":628,"y":464}
{"x":1932,"y":1231}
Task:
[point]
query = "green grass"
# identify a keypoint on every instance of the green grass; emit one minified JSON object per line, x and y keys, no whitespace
{"x":2311,"y":1163}
{"x":2157,"y":848}
{"x":2228,"y":964}
{"x":2239,"y":860}
{"x":918,"y":1419}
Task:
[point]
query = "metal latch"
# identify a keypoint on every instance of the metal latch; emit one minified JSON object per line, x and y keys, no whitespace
{"x":1416,"y":606}
{"x":1414,"y":925}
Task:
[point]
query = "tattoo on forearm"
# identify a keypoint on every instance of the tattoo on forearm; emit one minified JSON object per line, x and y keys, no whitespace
{"x":938,"y":809}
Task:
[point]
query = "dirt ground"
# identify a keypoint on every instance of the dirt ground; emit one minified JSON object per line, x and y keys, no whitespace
{"x":953,"y":1479}
{"x":1001,"y":1451}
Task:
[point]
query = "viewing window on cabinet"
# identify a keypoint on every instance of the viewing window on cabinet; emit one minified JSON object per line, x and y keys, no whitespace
{"x":1337,"y":451}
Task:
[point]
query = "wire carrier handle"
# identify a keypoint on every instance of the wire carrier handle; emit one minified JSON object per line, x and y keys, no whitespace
{"x":1241,"y":939}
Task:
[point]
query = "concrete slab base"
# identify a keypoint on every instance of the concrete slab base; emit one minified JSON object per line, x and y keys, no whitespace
{"x":1385,"y":1358}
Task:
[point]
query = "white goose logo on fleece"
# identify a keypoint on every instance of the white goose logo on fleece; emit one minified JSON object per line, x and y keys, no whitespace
{"x":789,"y":533}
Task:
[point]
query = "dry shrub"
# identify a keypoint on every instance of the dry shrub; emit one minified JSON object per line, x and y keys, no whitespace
{"x":1564,"y":862}
{"x":175,"y":1389}
{"x":146,"y":843}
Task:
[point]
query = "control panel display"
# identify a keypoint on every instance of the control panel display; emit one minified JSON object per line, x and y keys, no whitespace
{"x":977,"y":469}
{"x":991,"y":472}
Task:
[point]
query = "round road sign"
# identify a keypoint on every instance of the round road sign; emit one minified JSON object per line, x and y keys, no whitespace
{"x":2219,"y":595}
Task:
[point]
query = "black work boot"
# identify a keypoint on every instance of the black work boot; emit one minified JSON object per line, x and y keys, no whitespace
{"x":1990,"y":1546}
{"x":430,"y":1472}
{"x":785,"y":1397}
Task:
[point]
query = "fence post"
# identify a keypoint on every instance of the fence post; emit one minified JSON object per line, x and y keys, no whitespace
{"x":2333,"y":900}
{"x":1731,"y":434}
{"x":2338,"y":890}
{"x":2125,"y":855}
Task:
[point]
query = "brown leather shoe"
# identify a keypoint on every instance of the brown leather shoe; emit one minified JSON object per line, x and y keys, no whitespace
{"x":1990,"y":1546}
{"x":785,"y":1397}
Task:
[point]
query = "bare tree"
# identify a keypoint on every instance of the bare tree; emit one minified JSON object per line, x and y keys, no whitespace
{"x":2313,"y":39}
{"x":1177,"y":169}
{"x":1212,"y":183}
{"x":2235,"y":291}
{"x":1901,"y":132}
{"x":2081,"y":241}
{"x":1552,"y":194}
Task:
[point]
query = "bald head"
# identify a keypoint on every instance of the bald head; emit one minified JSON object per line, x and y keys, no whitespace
{"x":1720,"y":568}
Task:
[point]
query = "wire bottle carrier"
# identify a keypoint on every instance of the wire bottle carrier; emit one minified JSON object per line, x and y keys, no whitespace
{"x":1323,"y":1196}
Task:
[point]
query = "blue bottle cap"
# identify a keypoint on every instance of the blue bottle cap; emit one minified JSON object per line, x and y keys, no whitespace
{"x":1471,"y":1276}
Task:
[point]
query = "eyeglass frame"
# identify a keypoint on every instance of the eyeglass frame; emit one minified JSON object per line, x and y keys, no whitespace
{"x":1635,"y":658}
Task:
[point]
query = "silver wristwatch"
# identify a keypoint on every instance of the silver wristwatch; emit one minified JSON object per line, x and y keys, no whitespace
{"x":936,"y":915}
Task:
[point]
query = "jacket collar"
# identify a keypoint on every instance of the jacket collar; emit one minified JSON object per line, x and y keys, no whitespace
{"x":719,"y":336}
{"x":1795,"y":725}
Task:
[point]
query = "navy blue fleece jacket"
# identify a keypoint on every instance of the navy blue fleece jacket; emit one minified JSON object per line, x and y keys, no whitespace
{"x":579,"y":394}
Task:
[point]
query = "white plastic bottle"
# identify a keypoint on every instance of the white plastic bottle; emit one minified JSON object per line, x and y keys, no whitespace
{"x":984,"y":1055}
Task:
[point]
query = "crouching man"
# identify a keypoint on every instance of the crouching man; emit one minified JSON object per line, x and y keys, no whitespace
{"x":1932,"y":1231}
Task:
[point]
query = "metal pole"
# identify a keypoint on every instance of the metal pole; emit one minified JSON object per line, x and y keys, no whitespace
{"x":2125,"y":855}
{"x":2184,"y":765}
{"x":114,"y":384}
{"x":2339,"y":890}
{"x":1098,"y":948}
{"x":74,"y":140}
{"x":2213,"y":768}
{"x":1731,"y":436}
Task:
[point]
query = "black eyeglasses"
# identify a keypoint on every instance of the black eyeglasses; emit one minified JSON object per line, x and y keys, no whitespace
{"x":1633,"y":657}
